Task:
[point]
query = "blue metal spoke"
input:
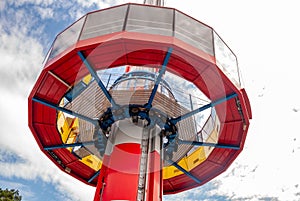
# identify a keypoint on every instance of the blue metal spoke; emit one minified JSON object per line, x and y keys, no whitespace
{"x":158,"y":80}
{"x":184,"y":171}
{"x":68,"y":145}
{"x":96,"y":77}
{"x":51,"y":105}
{"x":212,"y":104}
{"x":94,"y":176}
{"x":208,"y":144}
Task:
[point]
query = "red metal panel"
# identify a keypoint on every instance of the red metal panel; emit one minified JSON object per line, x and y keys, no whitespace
{"x":42,"y":135}
{"x":61,"y":91}
{"x":44,"y":86}
{"x":76,"y":74}
{"x":145,"y":52}
{"x":43,"y":114}
{"x":226,"y":134}
{"x":205,"y":171}
{"x":65,"y":156}
{"x":167,"y":186}
{"x":146,"y":57}
{"x":50,"y":89}
{"x":71,"y":60}
{"x":47,"y":134}
{"x":71,"y":75}
{"x":214,"y":83}
{"x":193,"y":64}
{"x":107,"y":55}
{"x":81,"y":170}
{"x":221,"y":155}
{"x":49,"y":115}
{"x":183,"y":67}
{"x":231,"y":133}
{"x":180,"y":183}
{"x":67,"y":68}
{"x":53,"y":94}
{"x":227,"y":111}
{"x":36,"y":112}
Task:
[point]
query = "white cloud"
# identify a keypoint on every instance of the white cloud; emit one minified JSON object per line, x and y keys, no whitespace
{"x":33,"y":2}
{"x":21,"y":60}
{"x":45,"y":12}
{"x":31,"y":164}
{"x":107,"y":3}
{"x":2,"y":5}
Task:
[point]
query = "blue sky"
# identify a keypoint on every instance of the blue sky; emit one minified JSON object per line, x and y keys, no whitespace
{"x":263,"y":34}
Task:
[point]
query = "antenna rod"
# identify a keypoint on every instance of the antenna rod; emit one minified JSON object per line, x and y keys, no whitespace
{"x":155,"y":2}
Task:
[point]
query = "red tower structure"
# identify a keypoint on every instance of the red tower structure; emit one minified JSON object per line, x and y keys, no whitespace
{"x":119,"y":103}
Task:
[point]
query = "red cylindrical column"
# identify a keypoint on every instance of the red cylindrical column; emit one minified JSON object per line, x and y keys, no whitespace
{"x":131,"y":168}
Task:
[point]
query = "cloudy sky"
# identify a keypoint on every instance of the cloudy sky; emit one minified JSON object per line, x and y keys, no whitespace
{"x":263,"y":34}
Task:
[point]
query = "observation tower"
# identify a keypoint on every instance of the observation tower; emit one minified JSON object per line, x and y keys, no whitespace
{"x":140,"y":100}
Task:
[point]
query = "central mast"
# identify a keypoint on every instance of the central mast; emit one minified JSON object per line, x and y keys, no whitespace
{"x":155,"y":2}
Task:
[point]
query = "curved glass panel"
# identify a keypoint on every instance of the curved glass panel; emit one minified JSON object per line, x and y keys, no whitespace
{"x":104,"y":22}
{"x":193,"y":32}
{"x":67,"y":38}
{"x":226,"y":60}
{"x":151,"y":20}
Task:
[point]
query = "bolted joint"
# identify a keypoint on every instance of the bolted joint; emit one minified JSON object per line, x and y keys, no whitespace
{"x":170,"y":127}
{"x":139,"y":112}
{"x":106,"y":120}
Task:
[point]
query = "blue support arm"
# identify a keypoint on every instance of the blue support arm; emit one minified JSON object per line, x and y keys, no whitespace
{"x":208,"y":144}
{"x":51,"y":105}
{"x":158,"y":80}
{"x":94,"y":74}
{"x":184,"y":171}
{"x":68,"y":145}
{"x":212,"y":104}
{"x":94,"y":176}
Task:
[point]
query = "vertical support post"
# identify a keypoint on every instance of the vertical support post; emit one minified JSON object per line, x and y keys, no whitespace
{"x":194,"y":120}
{"x":155,"y":2}
{"x":155,"y":185}
{"x":109,"y":77}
